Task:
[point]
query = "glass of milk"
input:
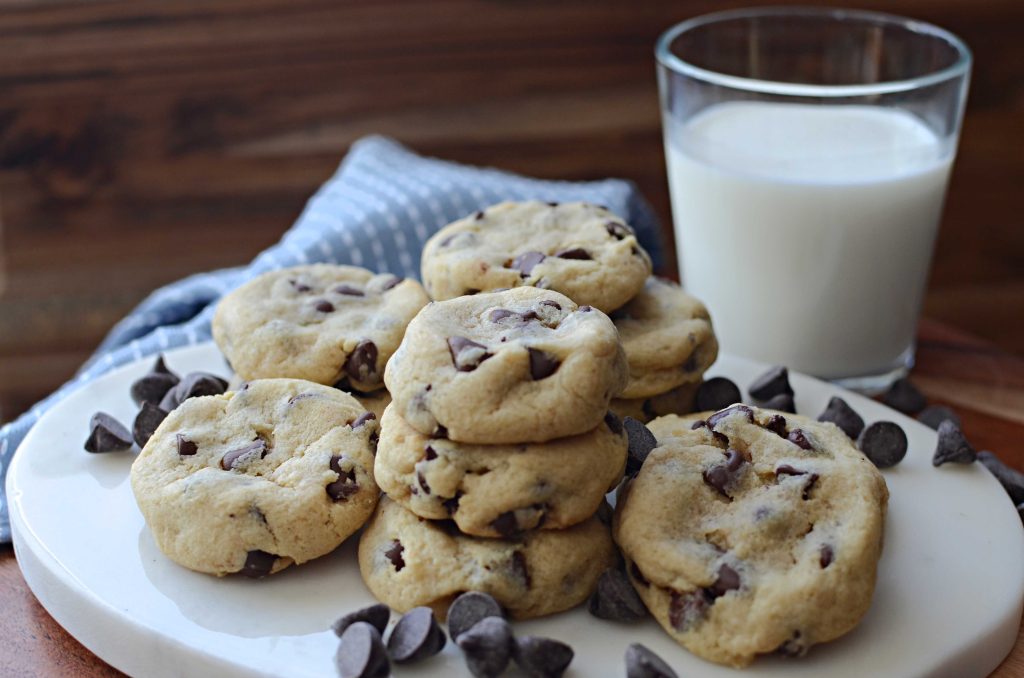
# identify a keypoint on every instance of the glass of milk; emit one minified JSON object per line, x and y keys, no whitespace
{"x":808,"y":154}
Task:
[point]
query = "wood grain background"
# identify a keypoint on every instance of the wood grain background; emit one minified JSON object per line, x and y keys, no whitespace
{"x":140,"y":142}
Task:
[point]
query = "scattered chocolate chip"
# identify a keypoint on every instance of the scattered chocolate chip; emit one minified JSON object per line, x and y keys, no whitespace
{"x":728,"y":412}
{"x":466,"y":353}
{"x":727,"y":580}
{"x":904,"y":397}
{"x":152,"y":387}
{"x":160,"y":367}
{"x":468,"y":609}
{"x":884,"y":443}
{"x":716,"y":393}
{"x":1011,"y":479}
{"x":525,"y":263}
{"x":299,"y":287}
{"x":170,"y":400}
{"x":641,"y":442}
{"x":487,"y":646}
{"x":642,"y":663}
{"x":617,"y":230}
{"x":613,"y":422}
{"x":770,"y":384}
{"x":782,"y":403}
{"x":799,"y":438}
{"x":243,"y":456}
{"x":542,"y":364}
{"x":376,"y":616}
{"x":542,"y":657}
{"x":361,"y":364}
{"x":350,"y":291}
{"x":345,"y":486}
{"x":258,"y":564}
{"x":777,"y":425}
{"x":323,"y":306}
{"x":146,"y":422}
{"x":720,"y":476}
{"x":615,"y":598}
{"x":186,"y":447}
{"x":688,"y":609}
{"x":952,"y":446}
{"x":107,"y":434}
{"x":506,"y":524}
{"x":394,"y":554}
{"x":362,"y":419}
{"x":838,"y":412}
{"x":826,"y":556}
{"x":933,"y":415}
{"x":361,"y":653}
{"x":416,"y":636}
{"x":197,"y":384}
{"x":574,"y":253}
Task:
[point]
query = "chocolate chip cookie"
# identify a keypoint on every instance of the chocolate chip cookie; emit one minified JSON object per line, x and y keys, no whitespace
{"x":521,"y":365}
{"x":581,"y":250}
{"x":499,"y":490}
{"x":407,"y":561}
{"x":750,"y":532}
{"x":667,"y":337}
{"x":320,"y":322}
{"x":279,"y":472}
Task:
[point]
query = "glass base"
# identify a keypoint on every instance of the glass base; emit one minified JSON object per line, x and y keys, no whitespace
{"x":873,"y":384}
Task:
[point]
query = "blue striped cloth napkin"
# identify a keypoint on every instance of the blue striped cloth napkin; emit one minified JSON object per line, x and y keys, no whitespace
{"x":377,"y":211}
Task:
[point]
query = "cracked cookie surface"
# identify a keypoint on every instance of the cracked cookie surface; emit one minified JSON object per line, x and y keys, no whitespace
{"x":581,"y":250}
{"x":499,"y":490}
{"x":321,"y":322}
{"x":279,"y":472}
{"x":520,"y":365}
{"x":668,"y":339}
{"x":755,"y":532}
{"x":407,"y":561}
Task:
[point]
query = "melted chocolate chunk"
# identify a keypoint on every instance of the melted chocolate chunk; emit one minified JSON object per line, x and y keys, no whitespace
{"x":299,"y":286}
{"x":884,"y":443}
{"x":392,"y":282}
{"x":799,"y":438}
{"x":728,"y":412}
{"x":585,"y":309}
{"x":146,"y":422}
{"x":721,"y":476}
{"x":452,"y":505}
{"x":506,"y":524}
{"x":243,"y":456}
{"x":688,"y":609}
{"x":422,"y":481}
{"x":345,"y":486}
{"x":258,"y":564}
{"x":952,"y":446}
{"x":838,"y":412}
{"x":700,"y":423}
{"x":376,"y":616}
{"x":526,"y":262}
{"x":107,"y":434}
{"x":349,"y":290}
{"x":394,"y":554}
{"x":728,"y":580}
{"x":323,"y":306}
{"x":429,"y":453}
{"x":826,"y":556}
{"x":777,"y":425}
{"x":361,"y":364}
{"x":520,"y":570}
{"x":416,"y":636}
{"x":478,"y":216}
{"x":361,"y":653}
{"x":542,"y":364}
{"x":362,"y":419}
{"x":617,"y":230}
{"x":542,"y":657}
{"x":186,"y":448}
{"x":574,"y":253}
{"x":468,"y":609}
{"x":466,"y":353}
{"x":553,"y":304}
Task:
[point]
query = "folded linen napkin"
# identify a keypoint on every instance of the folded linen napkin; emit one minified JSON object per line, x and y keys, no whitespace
{"x":377,"y":211}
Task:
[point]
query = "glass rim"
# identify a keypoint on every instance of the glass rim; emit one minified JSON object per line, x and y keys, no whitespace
{"x":667,"y":59}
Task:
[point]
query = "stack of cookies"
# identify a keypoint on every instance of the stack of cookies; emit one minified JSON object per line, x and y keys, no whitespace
{"x":496,"y":453}
{"x":593,"y":257}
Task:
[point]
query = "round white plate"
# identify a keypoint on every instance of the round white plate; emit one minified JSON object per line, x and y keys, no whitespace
{"x":948,"y":601}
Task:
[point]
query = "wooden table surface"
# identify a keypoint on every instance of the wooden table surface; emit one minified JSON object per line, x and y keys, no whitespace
{"x":984,"y":384}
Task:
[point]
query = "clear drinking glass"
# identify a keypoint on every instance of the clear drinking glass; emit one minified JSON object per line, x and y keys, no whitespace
{"x":808,"y":154}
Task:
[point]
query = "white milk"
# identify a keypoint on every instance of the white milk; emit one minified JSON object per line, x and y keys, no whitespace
{"x":808,"y":230}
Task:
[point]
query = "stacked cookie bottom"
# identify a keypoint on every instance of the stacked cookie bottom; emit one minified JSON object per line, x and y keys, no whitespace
{"x":524,"y":521}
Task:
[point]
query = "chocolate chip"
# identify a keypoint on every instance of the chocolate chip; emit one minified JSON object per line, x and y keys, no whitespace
{"x":825,"y":556}
{"x":615,"y":598}
{"x":727,"y":580}
{"x":452,"y":505}
{"x":197,"y":384}
{"x":170,"y":400}
{"x":542,"y":364}
{"x":376,"y":616}
{"x":243,"y":456}
{"x":782,"y":403}
{"x":542,"y":657}
{"x":585,"y":309}
{"x":160,"y":367}
{"x":362,"y":419}
{"x":151,"y":388}
{"x":107,"y":434}
{"x":700,"y":423}
{"x":642,"y":663}
{"x":478,"y":215}
{"x":146,"y":422}
{"x":392,"y":281}
{"x":728,"y":412}
{"x":468,"y":609}
{"x":613,"y":422}
{"x":323,"y":306}
{"x":394,"y":554}
{"x":361,"y":364}
{"x":350,"y":291}
{"x":574,"y":253}
{"x":933,"y":415}
{"x":904,"y":397}
{"x":842,"y":415}
{"x":361,"y":653}
{"x":777,"y":425}
{"x":716,"y":393}
{"x":500,"y":314}
{"x":1011,"y":479}
{"x":617,"y":230}
{"x":440,"y":432}
{"x":553,"y":304}
{"x":799,"y":438}
{"x":884,"y":443}
{"x":487,"y":646}
{"x":429,"y":453}
{"x":466,"y":353}
{"x":345,"y":486}
{"x":258,"y":564}
{"x":641,"y":442}
{"x":952,"y":446}
{"x":525,"y":263}
{"x":186,"y":447}
{"x":422,"y":481}
{"x":685,"y":610}
{"x":809,"y":483}
{"x":792,"y":647}
{"x":520,"y":570}
{"x":299,"y":287}
{"x":506,"y":524}
{"x":770,"y":384}
{"x":721,"y":476}
{"x":416,"y":636}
